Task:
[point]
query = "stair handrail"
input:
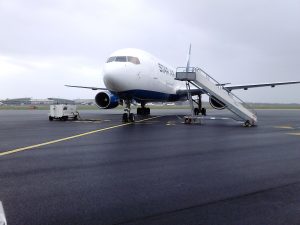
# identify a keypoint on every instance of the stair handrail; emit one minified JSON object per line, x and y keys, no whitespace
{"x":219,"y":85}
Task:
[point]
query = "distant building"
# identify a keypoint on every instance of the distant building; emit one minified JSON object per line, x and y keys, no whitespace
{"x":84,"y":101}
{"x":30,"y":101}
{"x":41,"y":101}
{"x":61,"y":101}
{"x":17,"y":101}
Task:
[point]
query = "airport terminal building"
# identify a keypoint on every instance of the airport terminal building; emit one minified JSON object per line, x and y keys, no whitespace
{"x":31,"y":101}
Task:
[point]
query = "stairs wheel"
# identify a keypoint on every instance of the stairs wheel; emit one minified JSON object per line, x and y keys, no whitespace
{"x":247,"y":123}
{"x":187,"y":120}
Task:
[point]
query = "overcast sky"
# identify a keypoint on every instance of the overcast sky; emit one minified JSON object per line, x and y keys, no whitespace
{"x":46,"y":44}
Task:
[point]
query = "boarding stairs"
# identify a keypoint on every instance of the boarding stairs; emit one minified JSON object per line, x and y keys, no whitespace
{"x":202,"y":80}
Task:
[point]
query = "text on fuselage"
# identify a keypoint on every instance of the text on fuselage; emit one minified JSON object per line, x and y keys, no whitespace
{"x":164,"y":69}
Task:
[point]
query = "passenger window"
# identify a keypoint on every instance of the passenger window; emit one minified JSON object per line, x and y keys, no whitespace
{"x":121,"y":59}
{"x":133,"y":60}
{"x":111,"y":59}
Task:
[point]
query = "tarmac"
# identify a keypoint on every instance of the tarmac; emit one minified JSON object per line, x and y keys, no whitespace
{"x":156,"y":171}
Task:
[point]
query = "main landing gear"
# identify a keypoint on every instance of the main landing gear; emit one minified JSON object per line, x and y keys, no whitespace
{"x":127,"y":115}
{"x":199,"y":110}
{"x":144,"y":111}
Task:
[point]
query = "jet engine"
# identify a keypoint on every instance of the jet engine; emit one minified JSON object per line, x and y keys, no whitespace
{"x":106,"y":100}
{"x":215,"y":103}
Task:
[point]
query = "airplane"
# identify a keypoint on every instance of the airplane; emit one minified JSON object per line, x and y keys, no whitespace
{"x":132,"y":75}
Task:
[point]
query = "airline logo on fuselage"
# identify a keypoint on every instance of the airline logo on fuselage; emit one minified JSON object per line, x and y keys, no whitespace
{"x":164,"y":69}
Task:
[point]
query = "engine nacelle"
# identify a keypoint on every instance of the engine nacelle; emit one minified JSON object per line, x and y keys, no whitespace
{"x":215,"y":103}
{"x":106,"y":100}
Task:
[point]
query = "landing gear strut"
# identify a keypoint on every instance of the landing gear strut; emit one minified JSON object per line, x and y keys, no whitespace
{"x":127,"y":115}
{"x":199,"y":110}
{"x":144,"y":111}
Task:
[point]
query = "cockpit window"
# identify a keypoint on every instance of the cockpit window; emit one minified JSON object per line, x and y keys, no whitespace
{"x":121,"y":59}
{"x":133,"y":60}
{"x":111,"y":59}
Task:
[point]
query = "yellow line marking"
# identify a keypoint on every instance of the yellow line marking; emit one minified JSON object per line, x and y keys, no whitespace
{"x":284,"y":127}
{"x":296,"y":134}
{"x":69,"y":138}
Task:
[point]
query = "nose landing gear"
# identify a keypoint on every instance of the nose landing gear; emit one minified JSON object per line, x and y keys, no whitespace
{"x":128,"y":117}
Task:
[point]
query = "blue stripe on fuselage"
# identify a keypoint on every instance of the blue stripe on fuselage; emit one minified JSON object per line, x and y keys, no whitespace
{"x":145,"y":95}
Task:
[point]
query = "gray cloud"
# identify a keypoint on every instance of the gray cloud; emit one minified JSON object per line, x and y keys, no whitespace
{"x":45,"y":44}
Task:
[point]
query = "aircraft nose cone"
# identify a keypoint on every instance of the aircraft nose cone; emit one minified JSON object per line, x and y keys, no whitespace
{"x":114,"y":77}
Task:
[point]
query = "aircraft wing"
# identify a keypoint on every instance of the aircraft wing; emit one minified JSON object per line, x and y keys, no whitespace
{"x":245,"y":87}
{"x":92,"y":88}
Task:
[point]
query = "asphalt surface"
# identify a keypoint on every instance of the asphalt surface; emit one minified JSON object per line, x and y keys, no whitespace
{"x":158,"y":171}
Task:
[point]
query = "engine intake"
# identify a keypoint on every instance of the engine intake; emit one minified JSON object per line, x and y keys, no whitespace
{"x":106,"y":100}
{"x":216,"y":103}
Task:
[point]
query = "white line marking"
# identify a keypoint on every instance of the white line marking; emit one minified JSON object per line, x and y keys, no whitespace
{"x":295,"y":134}
{"x":2,"y":215}
{"x":283,"y":127}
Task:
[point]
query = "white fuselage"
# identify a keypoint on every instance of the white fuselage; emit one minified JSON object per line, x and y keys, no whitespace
{"x":136,"y":74}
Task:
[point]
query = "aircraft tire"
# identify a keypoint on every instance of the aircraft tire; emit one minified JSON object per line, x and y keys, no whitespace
{"x":131,"y":117}
{"x":125,"y":118}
